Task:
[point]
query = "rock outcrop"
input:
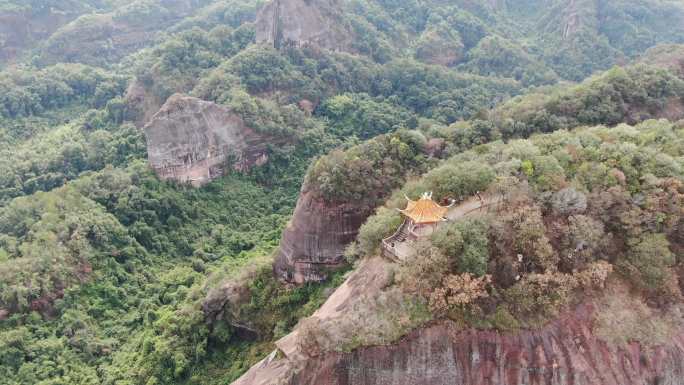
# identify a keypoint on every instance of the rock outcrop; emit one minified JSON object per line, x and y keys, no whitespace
{"x":313,"y":243}
{"x":563,"y":353}
{"x":303,"y":22}
{"x":141,"y":104}
{"x":194,"y":141}
{"x":571,"y":350}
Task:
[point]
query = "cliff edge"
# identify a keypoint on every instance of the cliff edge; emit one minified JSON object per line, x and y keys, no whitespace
{"x":315,"y":239}
{"x":571,"y":350}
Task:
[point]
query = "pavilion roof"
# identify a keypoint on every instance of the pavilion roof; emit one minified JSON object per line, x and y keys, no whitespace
{"x":425,"y":210}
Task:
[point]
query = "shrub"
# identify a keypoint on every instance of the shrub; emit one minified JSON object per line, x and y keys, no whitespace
{"x":424,"y":271}
{"x":548,"y":173}
{"x":584,"y":240}
{"x":458,"y":291}
{"x":475,"y":253}
{"x":522,"y":232}
{"x":458,"y":181}
{"x":569,"y":201}
{"x":595,"y":275}
{"x":502,"y":320}
{"x":540,"y":296}
{"x":449,"y":241}
{"x":377,"y":227}
{"x":648,"y":264}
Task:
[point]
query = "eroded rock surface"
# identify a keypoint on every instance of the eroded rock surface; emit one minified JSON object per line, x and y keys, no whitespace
{"x":195,"y":141}
{"x":141,"y":103}
{"x":303,"y":22}
{"x":563,"y":353}
{"x":315,"y":239}
{"x":571,"y":350}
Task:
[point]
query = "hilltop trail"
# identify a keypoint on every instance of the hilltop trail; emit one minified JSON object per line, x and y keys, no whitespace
{"x":470,"y":205}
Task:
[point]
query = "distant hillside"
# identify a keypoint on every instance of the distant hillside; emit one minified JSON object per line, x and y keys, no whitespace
{"x":533,"y":41}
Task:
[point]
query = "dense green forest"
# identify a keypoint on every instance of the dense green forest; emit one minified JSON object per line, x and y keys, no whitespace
{"x":108,"y":275}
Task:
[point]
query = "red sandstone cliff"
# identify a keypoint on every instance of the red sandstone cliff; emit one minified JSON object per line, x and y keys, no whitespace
{"x":315,"y":239}
{"x":195,"y":141}
{"x":563,"y":353}
{"x":572,"y":350}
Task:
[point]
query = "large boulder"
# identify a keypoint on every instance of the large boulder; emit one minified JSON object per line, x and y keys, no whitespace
{"x":303,"y":22}
{"x":313,"y":243}
{"x":194,"y":141}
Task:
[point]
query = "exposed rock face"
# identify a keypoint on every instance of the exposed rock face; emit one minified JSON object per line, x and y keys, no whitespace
{"x":303,"y":22}
{"x":191,"y":140}
{"x":565,"y":352}
{"x":567,"y":19}
{"x":225,"y":301}
{"x":315,"y":239}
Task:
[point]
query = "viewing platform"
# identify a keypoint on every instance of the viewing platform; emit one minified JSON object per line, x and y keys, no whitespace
{"x":423,"y":217}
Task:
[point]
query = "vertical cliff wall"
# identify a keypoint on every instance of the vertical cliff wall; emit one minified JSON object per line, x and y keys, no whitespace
{"x":315,"y":239}
{"x":563,"y":353}
{"x":303,"y":22}
{"x":571,"y":350}
{"x":195,"y":141}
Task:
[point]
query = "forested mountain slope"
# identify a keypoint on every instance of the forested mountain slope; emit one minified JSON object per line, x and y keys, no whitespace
{"x":115,"y":272}
{"x":587,"y":233}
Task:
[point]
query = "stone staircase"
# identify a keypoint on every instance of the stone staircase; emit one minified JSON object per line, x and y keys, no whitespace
{"x":400,"y":236}
{"x":402,"y":233}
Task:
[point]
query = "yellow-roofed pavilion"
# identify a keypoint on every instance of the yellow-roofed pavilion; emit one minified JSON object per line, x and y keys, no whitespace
{"x":422,"y":218}
{"x":424,"y":210}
